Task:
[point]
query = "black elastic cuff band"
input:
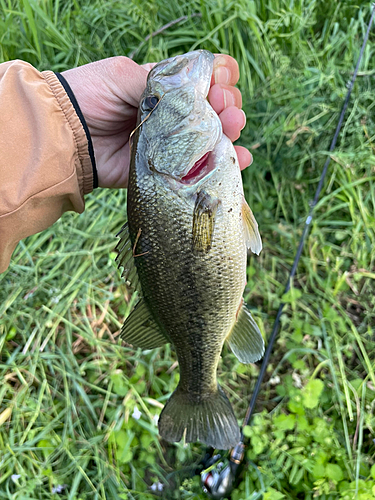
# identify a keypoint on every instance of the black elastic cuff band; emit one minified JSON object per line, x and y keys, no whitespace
{"x":73,"y":100}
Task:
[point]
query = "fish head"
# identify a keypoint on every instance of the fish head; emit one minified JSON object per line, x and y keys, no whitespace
{"x":178,"y":126}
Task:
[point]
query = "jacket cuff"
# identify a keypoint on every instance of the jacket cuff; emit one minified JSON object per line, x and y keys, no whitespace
{"x":73,"y":100}
{"x":88,"y":177}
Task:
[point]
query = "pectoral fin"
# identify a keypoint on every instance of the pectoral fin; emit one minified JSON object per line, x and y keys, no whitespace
{"x":253,"y":239}
{"x":140,"y":329}
{"x":204,"y":221}
{"x":125,"y":258}
{"x":245,"y":339}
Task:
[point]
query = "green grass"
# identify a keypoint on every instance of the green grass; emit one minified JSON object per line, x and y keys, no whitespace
{"x":69,"y":388}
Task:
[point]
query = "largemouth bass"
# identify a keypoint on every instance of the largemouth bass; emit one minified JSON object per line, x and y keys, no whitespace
{"x":186,"y":241}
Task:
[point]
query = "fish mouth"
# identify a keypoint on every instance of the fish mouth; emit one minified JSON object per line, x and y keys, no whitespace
{"x":200,"y":169}
{"x":194,"y":67}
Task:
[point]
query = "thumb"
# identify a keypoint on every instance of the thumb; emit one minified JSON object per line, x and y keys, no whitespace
{"x":126,"y":78}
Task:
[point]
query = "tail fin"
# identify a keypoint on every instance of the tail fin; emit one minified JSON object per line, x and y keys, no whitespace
{"x":210,"y":421}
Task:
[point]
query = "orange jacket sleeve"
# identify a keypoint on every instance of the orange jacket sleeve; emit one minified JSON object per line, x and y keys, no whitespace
{"x":45,"y":165}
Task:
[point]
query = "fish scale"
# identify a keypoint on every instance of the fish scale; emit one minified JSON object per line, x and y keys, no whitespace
{"x":189,"y":244}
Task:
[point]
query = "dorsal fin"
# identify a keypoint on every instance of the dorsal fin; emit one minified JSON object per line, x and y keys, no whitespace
{"x":141,"y":330}
{"x":125,"y":258}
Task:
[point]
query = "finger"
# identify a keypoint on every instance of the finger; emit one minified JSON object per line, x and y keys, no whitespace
{"x":222,"y":96}
{"x":225,"y":70}
{"x":148,"y":66}
{"x":245,"y":158}
{"x":233,"y":121}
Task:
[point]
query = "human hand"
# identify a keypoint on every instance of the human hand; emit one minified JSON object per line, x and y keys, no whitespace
{"x":108,"y":93}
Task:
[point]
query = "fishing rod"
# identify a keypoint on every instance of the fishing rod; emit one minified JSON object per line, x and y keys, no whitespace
{"x":218,"y":473}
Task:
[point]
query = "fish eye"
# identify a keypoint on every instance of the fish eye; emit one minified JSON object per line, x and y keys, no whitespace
{"x":150,"y":102}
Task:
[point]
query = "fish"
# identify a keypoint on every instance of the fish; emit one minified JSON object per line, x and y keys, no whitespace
{"x":185,"y":245}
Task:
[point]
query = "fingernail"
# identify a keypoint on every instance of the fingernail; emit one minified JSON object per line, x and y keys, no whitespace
{"x":244,"y":119}
{"x":228,"y":98}
{"x":222,"y":75}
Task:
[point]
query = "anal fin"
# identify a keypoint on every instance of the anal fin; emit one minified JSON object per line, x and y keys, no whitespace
{"x":245,"y":339}
{"x":141,"y":330}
